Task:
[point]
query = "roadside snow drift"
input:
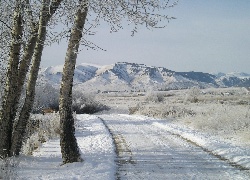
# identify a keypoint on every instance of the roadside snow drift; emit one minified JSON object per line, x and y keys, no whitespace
{"x":97,"y":151}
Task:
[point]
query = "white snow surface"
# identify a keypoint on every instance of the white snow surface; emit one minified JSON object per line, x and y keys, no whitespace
{"x":154,"y":145}
{"x":215,"y":145}
{"x":97,"y":151}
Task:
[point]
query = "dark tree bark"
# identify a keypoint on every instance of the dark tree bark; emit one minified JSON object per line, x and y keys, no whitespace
{"x":16,"y":77}
{"x":6,"y":114}
{"x":69,"y":147}
{"x":19,"y":131}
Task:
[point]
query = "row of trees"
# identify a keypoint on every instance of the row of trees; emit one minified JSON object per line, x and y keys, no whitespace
{"x":25,"y":26}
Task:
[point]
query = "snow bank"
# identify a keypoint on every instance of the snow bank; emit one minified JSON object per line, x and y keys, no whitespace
{"x":97,"y":150}
{"x":231,"y":152}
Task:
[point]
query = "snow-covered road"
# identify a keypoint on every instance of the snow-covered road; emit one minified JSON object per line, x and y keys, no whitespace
{"x":146,"y":151}
{"x":119,"y":146}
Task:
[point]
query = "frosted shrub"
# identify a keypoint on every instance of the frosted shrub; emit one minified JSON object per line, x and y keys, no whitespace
{"x":31,"y":144}
{"x":176,"y":112}
{"x":193,"y":94}
{"x":161,"y":110}
{"x":160,"y":97}
{"x":46,"y":97}
{"x":154,"y":97}
{"x":8,"y":168}
{"x":85,"y":103}
{"x":40,"y":129}
{"x":222,"y":119}
{"x":134,"y":110}
{"x":223,"y":111}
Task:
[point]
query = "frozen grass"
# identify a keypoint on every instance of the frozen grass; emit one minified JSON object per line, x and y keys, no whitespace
{"x":224,"y":112}
{"x":40,"y":129}
{"x":221,"y":112}
{"x":82,"y":103}
{"x":8,"y":168}
{"x":154,"y":97}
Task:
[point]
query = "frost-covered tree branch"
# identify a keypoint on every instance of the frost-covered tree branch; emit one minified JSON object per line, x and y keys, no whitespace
{"x":23,"y":34}
{"x":89,"y":14}
{"x":27,"y":38}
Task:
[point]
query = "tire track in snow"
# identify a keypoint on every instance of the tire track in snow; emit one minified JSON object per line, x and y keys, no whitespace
{"x":123,"y":153}
{"x":147,"y":152}
{"x":210,"y":152}
{"x":233,"y":164}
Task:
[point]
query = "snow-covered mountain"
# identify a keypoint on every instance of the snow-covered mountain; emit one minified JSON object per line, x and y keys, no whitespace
{"x":53,"y":74}
{"x":233,"y":79}
{"x":123,"y":76}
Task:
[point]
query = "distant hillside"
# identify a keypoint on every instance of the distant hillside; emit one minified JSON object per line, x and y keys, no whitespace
{"x":123,"y":76}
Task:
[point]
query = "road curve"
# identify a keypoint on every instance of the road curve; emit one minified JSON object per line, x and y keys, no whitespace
{"x":145,"y":151}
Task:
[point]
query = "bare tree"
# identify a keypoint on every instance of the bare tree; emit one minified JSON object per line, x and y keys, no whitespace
{"x":26,"y":29}
{"x":45,"y":16}
{"x":137,"y":12}
{"x":6,"y":118}
{"x":69,"y":148}
{"x":17,"y":71}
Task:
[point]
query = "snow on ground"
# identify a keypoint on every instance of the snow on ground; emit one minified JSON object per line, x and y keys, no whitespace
{"x":213,"y":144}
{"x":154,"y":145}
{"x":216,"y":120}
{"x":97,"y":150}
{"x":147,"y":151}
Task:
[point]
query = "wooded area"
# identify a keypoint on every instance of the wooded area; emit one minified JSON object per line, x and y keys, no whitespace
{"x":27,"y":26}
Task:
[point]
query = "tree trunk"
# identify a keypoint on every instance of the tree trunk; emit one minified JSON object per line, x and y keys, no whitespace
{"x":69,"y":147}
{"x":36,"y":42}
{"x":26,"y":59}
{"x":23,"y":69}
{"x":19,"y":131}
{"x":6,"y":114}
{"x":16,"y":78}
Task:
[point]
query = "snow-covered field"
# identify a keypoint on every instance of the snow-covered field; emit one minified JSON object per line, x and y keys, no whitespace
{"x":220,"y":112}
{"x":194,"y":134}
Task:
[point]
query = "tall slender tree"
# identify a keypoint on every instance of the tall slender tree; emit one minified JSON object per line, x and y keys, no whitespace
{"x":69,"y":148}
{"x":17,"y":71}
{"x":47,"y":10}
{"x":140,"y":12}
{"x":28,"y":28}
{"x":6,"y":119}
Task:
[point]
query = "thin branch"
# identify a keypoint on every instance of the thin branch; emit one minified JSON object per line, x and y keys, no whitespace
{"x":6,"y":24}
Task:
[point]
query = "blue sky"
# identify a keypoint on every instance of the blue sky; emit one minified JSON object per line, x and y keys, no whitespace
{"x":209,"y":36}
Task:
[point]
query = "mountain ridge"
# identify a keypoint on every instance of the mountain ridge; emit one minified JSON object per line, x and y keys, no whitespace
{"x":124,"y":76}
